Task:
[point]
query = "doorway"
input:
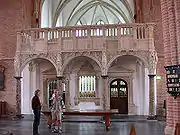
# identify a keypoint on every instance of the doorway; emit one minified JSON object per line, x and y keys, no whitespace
{"x":119,"y":95}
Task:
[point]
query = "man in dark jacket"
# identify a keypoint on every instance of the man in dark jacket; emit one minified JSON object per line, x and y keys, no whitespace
{"x":36,"y":106}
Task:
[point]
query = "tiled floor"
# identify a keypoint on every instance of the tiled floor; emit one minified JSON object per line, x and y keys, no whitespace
{"x":24,"y":127}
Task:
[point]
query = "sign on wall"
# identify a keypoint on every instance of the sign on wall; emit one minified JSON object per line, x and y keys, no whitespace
{"x":2,"y":77}
{"x":173,"y":79}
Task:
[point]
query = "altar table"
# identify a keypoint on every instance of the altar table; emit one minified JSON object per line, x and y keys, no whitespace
{"x":105,"y":113}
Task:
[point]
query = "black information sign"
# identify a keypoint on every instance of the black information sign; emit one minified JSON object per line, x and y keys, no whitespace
{"x":173,"y":79}
{"x":2,"y":77}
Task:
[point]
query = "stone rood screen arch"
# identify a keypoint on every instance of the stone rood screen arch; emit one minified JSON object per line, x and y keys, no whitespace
{"x":22,"y":60}
{"x":68,"y":57}
{"x":148,"y":58}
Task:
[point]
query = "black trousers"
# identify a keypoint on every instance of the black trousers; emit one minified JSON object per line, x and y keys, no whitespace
{"x":37,"y":114}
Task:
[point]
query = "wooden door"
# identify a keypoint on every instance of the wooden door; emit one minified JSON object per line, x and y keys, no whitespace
{"x":119,"y":96}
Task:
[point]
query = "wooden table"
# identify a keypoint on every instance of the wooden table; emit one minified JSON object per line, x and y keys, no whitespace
{"x":105,"y":113}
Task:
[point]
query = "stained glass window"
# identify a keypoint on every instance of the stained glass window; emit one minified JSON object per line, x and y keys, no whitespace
{"x":87,"y":86}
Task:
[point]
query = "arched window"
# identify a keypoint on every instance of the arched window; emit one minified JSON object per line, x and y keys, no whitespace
{"x":87,"y":86}
{"x":80,"y":33}
{"x":99,"y":32}
{"x":79,"y":23}
{"x":100,"y":22}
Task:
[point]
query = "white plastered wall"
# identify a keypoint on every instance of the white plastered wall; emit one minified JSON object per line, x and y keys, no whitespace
{"x":28,"y":85}
{"x":32,"y":80}
{"x":47,"y":14}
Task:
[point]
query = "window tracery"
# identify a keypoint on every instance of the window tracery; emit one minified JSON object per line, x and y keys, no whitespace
{"x":87,"y":86}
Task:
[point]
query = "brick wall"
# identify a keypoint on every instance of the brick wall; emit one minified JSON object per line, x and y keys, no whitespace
{"x":14,"y":14}
{"x":150,"y":11}
{"x":170,"y":10}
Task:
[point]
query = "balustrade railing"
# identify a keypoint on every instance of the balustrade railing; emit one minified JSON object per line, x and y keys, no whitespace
{"x":29,"y":37}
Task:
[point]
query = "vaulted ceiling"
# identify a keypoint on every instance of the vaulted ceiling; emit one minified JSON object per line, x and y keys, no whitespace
{"x":86,"y":12}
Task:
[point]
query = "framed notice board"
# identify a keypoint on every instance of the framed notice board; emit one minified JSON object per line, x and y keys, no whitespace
{"x":2,"y":77}
{"x":173,"y":79}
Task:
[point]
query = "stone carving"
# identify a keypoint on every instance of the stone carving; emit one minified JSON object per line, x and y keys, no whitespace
{"x":76,"y":101}
{"x":95,"y":55}
{"x":152,"y":62}
{"x":2,"y":69}
{"x":25,"y":58}
{"x":68,"y":56}
{"x":59,"y":64}
{"x":18,"y":95}
{"x":17,"y":64}
{"x":143,"y":55}
{"x":104,"y":64}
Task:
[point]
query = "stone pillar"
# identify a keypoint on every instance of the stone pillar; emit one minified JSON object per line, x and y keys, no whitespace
{"x":97,"y":86}
{"x":152,"y":109}
{"x":105,"y":92}
{"x":59,"y":84}
{"x":67,"y":95}
{"x":45,"y":98}
{"x":76,"y":98}
{"x":18,"y":96}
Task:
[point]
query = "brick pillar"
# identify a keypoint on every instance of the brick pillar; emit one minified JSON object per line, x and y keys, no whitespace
{"x":152,"y":110}
{"x":177,"y":14}
{"x":172,"y":31}
{"x":170,"y":10}
{"x":105,"y":92}
{"x":176,"y":105}
{"x":165,"y":25}
{"x":167,"y":56}
{"x":18,"y":97}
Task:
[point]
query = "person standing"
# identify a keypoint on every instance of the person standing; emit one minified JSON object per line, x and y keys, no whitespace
{"x":36,"y":107}
{"x":56,"y":110}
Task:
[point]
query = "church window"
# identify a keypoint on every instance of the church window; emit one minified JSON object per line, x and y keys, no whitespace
{"x":100,"y":22}
{"x":99,"y":32}
{"x":87,"y":86}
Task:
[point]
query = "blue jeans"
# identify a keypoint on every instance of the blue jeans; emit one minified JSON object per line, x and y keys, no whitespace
{"x":36,"y":122}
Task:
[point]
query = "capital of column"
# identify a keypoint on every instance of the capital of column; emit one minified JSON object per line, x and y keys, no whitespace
{"x":152,"y":75}
{"x":104,"y":76}
{"x":60,"y":77}
{"x":18,"y":77}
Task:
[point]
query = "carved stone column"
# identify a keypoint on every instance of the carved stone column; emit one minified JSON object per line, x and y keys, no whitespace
{"x":18,"y":96}
{"x":97,"y":86}
{"x":45,"y":98}
{"x":105,"y":92}
{"x":59,"y":64}
{"x":67,"y":95}
{"x":76,"y":98}
{"x":59,"y":84}
{"x":152,"y":109}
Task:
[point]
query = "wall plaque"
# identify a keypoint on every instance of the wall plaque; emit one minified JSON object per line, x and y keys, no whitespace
{"x":173,"y":80}
{"x":2,"y":77}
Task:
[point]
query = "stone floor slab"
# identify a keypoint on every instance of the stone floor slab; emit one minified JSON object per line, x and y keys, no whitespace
{"x":24,"y":127}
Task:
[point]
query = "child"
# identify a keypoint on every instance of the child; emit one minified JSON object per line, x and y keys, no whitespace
{"x":56,"y":110}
